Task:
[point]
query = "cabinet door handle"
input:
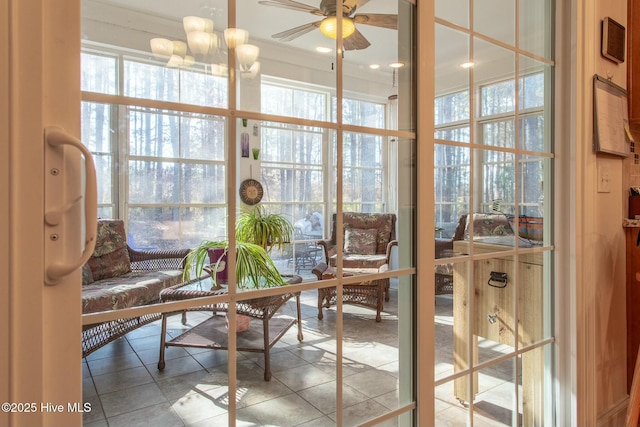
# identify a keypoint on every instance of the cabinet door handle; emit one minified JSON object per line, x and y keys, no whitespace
{"x":497,"y":279}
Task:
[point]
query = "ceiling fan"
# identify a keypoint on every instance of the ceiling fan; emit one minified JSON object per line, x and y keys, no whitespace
{"x":352,"y":38}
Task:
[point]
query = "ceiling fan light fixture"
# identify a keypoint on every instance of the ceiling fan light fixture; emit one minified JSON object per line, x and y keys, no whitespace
{"x":329,"y":27}
{"x":323,"y":49}
{"x":235,"y":37}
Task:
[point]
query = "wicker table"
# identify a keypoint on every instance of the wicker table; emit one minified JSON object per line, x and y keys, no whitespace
{"x":212,"y":333}
{"x":368,"y":293}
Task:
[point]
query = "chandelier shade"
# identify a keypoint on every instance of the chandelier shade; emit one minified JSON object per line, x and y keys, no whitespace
{"x":247,"y":55}
{"x":235,"y":37}
{"x":201,"y":43}
{"x":253,"y":71}
{"x":196,"y":23}
{"x":161,"y":48}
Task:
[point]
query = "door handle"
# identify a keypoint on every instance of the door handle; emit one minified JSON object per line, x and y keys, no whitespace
{"x":56,"y":188}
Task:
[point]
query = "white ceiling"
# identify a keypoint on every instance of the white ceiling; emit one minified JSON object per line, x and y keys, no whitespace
{"x":132,"y":23}
{"x":262,"y":21}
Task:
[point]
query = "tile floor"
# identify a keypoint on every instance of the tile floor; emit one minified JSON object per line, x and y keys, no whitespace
{"x":125,"y":388}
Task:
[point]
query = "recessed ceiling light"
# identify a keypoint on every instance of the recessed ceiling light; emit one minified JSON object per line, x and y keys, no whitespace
{"x":469,"y":64}
{"x":323,"y":49}
{"x":396,"y":64}
{"x":374,"y":66}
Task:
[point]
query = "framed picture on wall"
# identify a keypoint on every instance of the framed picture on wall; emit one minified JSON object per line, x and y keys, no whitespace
{"x":610,"y":118}
{"x":613,"y":40}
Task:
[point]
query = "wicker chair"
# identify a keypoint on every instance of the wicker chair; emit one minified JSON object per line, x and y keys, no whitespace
{"x":484,"y":224}
{"x":368,"y":240}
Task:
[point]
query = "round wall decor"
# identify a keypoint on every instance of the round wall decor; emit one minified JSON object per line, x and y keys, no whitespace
{"x":251,"y":191}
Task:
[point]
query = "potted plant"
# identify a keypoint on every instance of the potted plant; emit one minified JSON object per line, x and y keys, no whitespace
{"x":268,"y":230}
{"x":254,"y":267}
{"x":256,"y":233}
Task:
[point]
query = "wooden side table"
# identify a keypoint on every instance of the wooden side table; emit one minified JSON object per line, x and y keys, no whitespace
{"x":489,"y":310}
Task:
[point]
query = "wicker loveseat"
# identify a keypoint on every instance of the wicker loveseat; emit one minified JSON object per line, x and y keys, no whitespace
{"x":117,"y":277}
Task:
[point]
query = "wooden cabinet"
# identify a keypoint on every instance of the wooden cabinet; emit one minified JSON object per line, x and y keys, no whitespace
{"x":488,"y":307}
{"x":633,"y":296}
{"x":633,"y":63}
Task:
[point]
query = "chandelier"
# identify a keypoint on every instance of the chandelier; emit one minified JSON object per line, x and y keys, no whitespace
{"x":203,"y":44}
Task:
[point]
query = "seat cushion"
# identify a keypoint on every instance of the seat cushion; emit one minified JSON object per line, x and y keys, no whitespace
{"x":129,"y":290}
{"x":360,"y":261}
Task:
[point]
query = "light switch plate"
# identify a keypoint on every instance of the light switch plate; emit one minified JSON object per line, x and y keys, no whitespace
{"x":604,"y":178}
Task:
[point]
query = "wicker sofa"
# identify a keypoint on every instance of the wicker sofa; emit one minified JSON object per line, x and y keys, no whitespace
{"x":117,"y":277}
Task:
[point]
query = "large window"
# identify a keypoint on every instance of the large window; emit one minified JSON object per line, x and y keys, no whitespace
{"x":495,"y":127}
{"x":295,"y":162}
{"x":162,"y":171}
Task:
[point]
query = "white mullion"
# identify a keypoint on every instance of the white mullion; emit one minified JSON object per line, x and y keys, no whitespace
{"x":473,"y":173}
{"x":516,"y":211}
{"x":231,"y":156}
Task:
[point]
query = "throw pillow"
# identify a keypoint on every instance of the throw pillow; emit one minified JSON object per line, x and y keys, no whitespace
{"x":360,"y":241}
{"x":110,"y":258}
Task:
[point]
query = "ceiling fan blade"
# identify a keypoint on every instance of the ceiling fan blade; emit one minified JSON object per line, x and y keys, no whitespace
{"x":377,"y":20}
{"x":294,"y":5}
{"x":355,"y":41}
{"x":296,"y":32}
{"x":353,"y":5}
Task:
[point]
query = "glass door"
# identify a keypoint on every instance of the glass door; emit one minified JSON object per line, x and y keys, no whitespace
{"x":203,"y":112}
{"x":493,"y":175}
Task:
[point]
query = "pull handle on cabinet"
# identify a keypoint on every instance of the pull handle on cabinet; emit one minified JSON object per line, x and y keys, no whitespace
{"x":59,"y":188}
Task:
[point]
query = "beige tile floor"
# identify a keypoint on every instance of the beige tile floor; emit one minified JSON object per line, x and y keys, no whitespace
{"x":125,"y":388}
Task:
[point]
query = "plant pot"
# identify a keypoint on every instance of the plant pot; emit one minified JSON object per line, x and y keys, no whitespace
{"x":242,"y":322}
{"x":222,"y":271}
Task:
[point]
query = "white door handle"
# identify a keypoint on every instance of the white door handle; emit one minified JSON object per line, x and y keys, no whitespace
{"x":55,"y":139}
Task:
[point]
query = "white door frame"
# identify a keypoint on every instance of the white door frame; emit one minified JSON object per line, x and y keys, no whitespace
{"x":40,"y":324}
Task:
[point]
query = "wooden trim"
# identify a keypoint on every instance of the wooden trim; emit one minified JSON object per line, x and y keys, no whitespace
{"x":633,"y":56}
{"x":5,"y":228}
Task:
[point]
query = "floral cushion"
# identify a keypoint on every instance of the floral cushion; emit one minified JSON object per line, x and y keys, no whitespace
{"x":384,"y":223}
{"x":360,"y":241}
{"x":129,"y":290}
{"x":87,"y":276}
{"x":446,"y":269}
{"x":111,"y":256}
{"x":488,"y":225}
